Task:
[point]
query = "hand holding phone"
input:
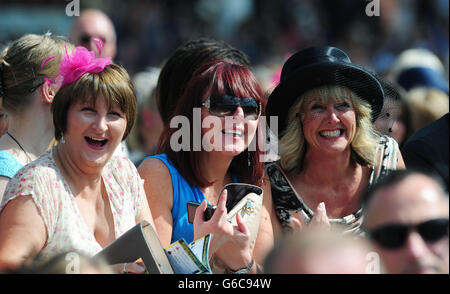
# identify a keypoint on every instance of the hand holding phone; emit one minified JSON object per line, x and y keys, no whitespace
{"x":192,"y":206}
{"x":236,"y":192}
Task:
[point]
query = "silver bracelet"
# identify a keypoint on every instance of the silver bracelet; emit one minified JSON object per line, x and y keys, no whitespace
{"x":242,"y":270}
{"x":125,"y":268}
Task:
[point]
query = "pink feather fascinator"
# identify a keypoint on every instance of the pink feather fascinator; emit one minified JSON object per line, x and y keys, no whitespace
{"x":81,"y":61}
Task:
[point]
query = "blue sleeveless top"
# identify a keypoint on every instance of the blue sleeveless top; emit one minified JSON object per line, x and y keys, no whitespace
{"x":183,"y":192}
{"x":9,"y":165}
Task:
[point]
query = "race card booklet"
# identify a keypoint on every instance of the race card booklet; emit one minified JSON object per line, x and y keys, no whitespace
{"x":142,"y":242}
{"x":190,"y":258}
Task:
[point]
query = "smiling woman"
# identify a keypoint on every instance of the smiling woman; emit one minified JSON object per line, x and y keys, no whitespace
{"x":228,"y":101}
{"x":330,"y":151}
{"x":77,"y":196}
{"x":353,"y":119}
{"x":111,"y":86}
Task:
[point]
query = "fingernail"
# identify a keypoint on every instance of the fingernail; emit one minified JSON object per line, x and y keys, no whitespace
{"x":322,"y":205}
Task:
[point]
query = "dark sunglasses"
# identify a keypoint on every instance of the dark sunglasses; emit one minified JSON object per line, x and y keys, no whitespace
{"x":86,"y":39}
{"x":226,"y":105}
{"x":393,"y":236}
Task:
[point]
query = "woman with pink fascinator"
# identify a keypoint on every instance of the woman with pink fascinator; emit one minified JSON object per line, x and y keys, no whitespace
{"x":78,"y":196}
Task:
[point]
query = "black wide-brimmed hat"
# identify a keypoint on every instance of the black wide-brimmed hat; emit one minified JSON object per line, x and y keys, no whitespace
{"x":319,"y":66}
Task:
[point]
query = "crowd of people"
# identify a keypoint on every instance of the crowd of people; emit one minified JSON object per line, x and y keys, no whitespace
{"x":347,"y":168}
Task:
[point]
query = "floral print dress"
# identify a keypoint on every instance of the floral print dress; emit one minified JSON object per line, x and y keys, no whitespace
{"x":66,"y":229}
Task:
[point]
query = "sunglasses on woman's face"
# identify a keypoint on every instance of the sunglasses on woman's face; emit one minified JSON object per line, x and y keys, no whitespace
{"x":393,"y":236}
{"x":226,"y":105}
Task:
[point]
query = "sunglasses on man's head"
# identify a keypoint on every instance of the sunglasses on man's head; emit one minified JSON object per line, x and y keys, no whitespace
{"x":394,"y":236}
{"x":86,"y":39}
{"x":226,"y":105}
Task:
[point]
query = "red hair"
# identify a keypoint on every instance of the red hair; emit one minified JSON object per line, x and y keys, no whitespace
{"x":214,"y":79}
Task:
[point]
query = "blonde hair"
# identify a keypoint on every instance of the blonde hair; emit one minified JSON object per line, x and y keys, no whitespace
{"x":426,"y":105}
{"x":21,"y":71}
{"x":292,"y":142}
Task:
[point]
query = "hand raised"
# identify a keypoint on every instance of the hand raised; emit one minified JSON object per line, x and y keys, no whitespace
{"x":236,"y":252}
{"x":320,"y":219}
{"x":218,"y":225}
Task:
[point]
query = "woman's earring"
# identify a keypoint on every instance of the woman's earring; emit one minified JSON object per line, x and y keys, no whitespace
{"x":248,"y":158}
{"x":62,"y":141}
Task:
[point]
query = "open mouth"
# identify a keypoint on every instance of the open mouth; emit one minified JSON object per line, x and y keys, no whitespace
{"x":96,"y":142}
{"x":331,"y":134}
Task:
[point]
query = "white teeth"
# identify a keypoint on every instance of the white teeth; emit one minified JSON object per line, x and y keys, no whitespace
{"x":331,"y":134}
{"x":233,"y":132}
{"x":96,"y":139}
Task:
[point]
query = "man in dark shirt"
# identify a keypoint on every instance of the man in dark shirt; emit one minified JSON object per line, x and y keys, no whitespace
{"x":427,"y":149}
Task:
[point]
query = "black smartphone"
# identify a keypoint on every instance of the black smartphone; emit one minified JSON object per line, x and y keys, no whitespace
{"x":192,"y":206}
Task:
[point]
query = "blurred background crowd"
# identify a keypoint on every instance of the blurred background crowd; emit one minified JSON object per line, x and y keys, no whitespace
{"x":147,"y":32}
{"x":267,"y":31}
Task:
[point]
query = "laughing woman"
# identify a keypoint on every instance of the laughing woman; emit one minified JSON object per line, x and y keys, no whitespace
{"x":329,"y":149}
{"x":77,"y":196}
{"x":223,"y":93}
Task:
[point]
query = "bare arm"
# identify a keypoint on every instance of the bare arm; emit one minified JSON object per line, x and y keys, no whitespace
{"x":3,"y":182}
{"x":22,"y":232}
{"x":159,"y":192}
{"x":269,"y":227}
{"x":145,"y":213}
{"x":400,"y":162}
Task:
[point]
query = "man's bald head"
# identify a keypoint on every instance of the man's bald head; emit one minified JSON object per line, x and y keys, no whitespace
{"x":94,"y":23}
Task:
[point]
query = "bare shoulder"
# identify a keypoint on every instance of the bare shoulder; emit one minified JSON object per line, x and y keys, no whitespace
{"x":157,"y":180}
{"x":154,"y":169}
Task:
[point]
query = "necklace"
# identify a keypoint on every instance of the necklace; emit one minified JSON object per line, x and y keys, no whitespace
{"x":20,"y":146}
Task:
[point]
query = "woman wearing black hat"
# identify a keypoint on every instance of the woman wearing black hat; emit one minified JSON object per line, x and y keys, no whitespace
{"x":329,"y":149}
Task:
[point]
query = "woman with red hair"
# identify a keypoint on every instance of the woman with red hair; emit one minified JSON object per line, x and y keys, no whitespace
{"x":217,"y":121}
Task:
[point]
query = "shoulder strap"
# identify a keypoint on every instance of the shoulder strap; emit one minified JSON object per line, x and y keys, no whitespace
{"x":283,"y":195}
{"x":386,"y":157}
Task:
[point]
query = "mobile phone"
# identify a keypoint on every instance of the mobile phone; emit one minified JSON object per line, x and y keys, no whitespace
{"x":192,"y":206}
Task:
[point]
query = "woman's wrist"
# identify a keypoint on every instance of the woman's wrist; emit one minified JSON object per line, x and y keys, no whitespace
{"x":245,"y":265}
{"x":244,"y":270}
